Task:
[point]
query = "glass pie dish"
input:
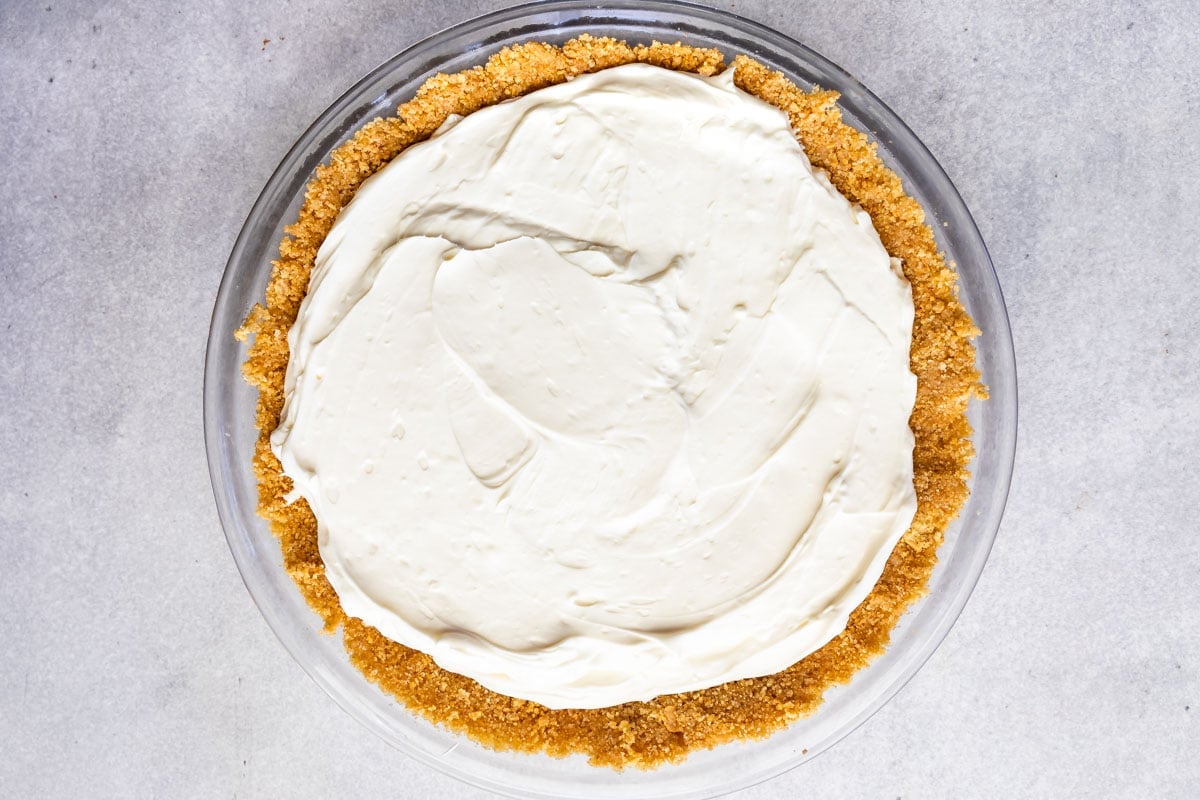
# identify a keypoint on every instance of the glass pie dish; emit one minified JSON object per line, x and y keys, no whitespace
{"x":230,"y":432}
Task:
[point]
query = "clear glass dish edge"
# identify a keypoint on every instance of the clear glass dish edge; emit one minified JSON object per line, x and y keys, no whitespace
{"x":287,"y":182}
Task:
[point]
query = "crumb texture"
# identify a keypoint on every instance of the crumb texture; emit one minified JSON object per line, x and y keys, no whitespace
{"x":667,"y":728}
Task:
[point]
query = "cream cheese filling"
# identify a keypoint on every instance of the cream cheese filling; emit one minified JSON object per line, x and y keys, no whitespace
{"x":602,"y":393}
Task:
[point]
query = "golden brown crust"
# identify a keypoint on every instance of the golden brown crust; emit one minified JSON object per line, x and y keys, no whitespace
{"x":667,"y":728}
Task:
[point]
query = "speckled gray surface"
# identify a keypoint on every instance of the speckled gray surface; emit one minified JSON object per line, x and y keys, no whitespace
{"x":134,"y":141}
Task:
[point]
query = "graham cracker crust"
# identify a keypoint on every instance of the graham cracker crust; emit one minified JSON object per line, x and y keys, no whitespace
{"x":667,"y":728}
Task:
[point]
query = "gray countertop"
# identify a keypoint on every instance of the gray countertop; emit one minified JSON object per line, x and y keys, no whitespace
{"x":135,"y":139}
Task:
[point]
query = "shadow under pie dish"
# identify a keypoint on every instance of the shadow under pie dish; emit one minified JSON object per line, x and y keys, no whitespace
{"x":666,"y":728}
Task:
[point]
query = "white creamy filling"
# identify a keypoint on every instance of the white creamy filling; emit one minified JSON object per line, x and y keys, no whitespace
{"x":603,"y":393}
